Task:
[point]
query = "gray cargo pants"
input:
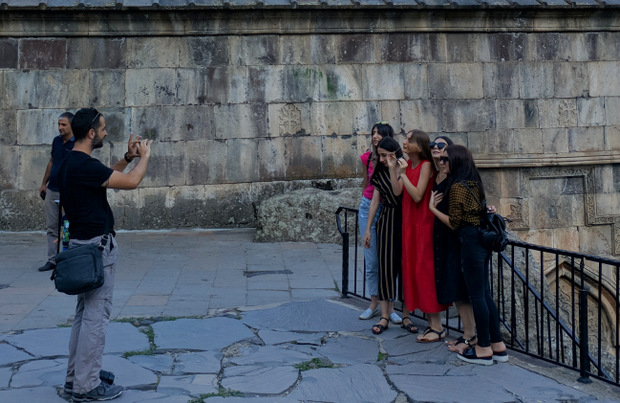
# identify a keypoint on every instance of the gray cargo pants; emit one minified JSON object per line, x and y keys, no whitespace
{"x":51,"y":223}
{"x":92,"y":314}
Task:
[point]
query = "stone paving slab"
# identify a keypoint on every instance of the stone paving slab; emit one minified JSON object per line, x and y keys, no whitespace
{"x":350,"y":350}
{"x":208,"y":362}
{"x":199,"y":334}
{"x":121,"y":337}
{"x":43,"y":342}
{"x":193,"y":385}
{"x":269,"y":356}
{"x":357,"y":383}
{"x":139,"y":396}
{"x":260,"y":379}
{"x":450,"y":389}
{"x":40,"y":373}
{"x":46,"y":394}
{"x":160,"y":363}
{"x":278,"y":337}
{"x":129,"y":375}
{"x":10,"y":354}
{"x":254,"y":399}
{"x":309,"y":316}
{"x":5,"y":377}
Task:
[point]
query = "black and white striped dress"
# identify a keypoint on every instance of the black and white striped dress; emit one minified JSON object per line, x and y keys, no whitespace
{"x":389,"y":237}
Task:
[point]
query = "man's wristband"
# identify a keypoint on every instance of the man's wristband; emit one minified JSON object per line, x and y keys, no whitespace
{"x":127,"y":158}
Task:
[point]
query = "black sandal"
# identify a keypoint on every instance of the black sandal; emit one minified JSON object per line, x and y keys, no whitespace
{"x":380,"y":326}
{"x":440,"y":335}
{"x":461,"y":340}
{"x":410,"y":327}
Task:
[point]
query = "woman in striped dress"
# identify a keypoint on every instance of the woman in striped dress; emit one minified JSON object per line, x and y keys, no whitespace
{"x":387,"y":190}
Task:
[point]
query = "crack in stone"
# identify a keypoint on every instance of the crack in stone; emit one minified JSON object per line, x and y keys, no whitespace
{"x":261,"y":273}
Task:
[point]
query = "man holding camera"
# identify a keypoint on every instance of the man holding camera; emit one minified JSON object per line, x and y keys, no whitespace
{"x":83,"y":182}
{"x":61,"y":147}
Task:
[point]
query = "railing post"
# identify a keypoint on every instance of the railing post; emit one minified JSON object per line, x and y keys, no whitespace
{"x":345,"y":264}
{"x":584,"y":349}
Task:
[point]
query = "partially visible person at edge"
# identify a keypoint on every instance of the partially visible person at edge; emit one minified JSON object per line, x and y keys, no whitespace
{"x":83,"y":182}
{"x":465,"y":192}
{"x":61,"y":147}
{"x":369,"y":159}
{"x":418,"y":265}
{"x":388,"y":188}
{"x":449,"y":280}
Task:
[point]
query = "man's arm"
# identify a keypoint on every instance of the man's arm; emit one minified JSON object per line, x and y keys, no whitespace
{"x":131,"y":180}
{"x":46,"y":178}
{"x":129,"y":155}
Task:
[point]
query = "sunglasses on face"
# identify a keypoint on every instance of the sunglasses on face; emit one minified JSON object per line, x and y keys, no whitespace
{"x":438,"y":145}
{"x":443,"y":160}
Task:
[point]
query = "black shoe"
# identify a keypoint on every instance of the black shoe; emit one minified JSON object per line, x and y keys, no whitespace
{"x":471,"y":357}
{"x":47,"y":266}
{"x":101,"y":392}
{"x":105,"y":376}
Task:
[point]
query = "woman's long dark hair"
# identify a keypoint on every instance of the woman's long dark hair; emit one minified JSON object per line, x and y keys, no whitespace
{"x":390,"y":145}
{"x":422,"y":140}
{"x":463,"y":167}
{"x":385,"y":130}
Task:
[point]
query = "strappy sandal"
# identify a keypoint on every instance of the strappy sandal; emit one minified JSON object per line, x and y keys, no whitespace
{"x":440,"y":335}
{"x":461,"y":340}
{"x":380,"y":327}
{"x":410,"y":327}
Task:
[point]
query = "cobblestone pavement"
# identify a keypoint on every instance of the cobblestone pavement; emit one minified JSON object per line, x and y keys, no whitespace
{"x":209,"y":314}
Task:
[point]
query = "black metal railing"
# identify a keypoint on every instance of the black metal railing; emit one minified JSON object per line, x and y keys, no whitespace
{"x":556,"y":305}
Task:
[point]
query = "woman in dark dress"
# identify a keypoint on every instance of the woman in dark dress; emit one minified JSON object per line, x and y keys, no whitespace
{"x":449,"y":279}
{"x":465,"y":194}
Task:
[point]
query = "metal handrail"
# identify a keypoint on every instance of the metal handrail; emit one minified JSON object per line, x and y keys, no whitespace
{"x":550,"y":311}
{"x":571,"y":328}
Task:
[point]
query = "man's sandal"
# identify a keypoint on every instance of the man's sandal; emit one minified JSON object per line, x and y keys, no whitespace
{"x":440,"y":335}
{"x":409,"y":327}
{"x":378,"y":328}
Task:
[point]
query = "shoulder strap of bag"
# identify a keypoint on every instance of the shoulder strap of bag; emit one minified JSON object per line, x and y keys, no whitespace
{"x":104,"y":239}
{"x":477,"y":199}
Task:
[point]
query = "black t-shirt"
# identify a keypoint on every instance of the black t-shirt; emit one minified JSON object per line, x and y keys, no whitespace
{"x":85,"y":202}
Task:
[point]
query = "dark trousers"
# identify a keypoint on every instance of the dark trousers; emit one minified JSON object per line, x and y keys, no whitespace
{"x":475,"y":265}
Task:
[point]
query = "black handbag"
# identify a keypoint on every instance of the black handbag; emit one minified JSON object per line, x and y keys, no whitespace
{"x":80,"y":269}
{"x":492,"y":227}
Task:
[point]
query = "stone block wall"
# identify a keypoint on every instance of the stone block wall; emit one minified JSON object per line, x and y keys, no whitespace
{"x":244,"y":105}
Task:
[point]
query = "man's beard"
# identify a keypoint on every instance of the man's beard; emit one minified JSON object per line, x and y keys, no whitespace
{"x":97,"y":143}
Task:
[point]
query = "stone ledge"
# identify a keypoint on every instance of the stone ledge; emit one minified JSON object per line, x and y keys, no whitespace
{"x":547,"y":160}
{"x":30,"y":23}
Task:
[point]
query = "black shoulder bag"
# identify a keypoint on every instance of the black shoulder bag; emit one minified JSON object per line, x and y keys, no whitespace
{"x":80,"y":269}
{"x":492,"y":226}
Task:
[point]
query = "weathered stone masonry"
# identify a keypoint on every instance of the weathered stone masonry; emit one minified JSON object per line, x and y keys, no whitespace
{"x":249,"y":103}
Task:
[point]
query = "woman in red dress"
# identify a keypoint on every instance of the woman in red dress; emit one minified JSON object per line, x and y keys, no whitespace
{"x":418,"y":266}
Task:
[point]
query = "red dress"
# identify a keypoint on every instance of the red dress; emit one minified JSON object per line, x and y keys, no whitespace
{"x":418,"y":263}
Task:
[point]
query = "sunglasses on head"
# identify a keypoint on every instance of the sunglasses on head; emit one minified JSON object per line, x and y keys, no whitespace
{"x":95,"y":119}
{"x":383,"y":122}
{"x":443,"y":159}
{"x":438,"y":145}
